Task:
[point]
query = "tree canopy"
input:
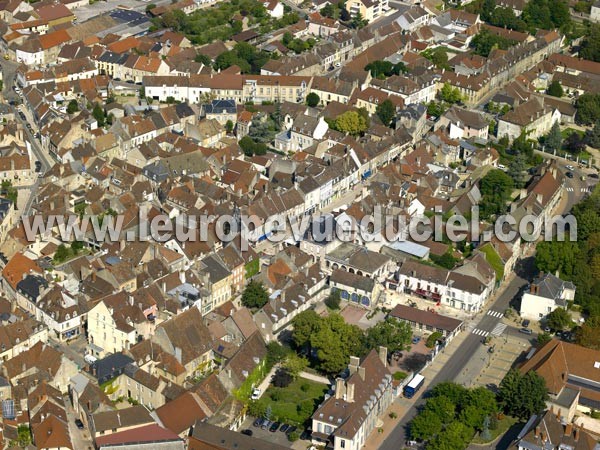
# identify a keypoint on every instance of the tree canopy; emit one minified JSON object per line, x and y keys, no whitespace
{"x":588,"y":109}
{"x":451,"y":416}
{"x":523,"y":395}
{"x":312,"y":99}
{"x":386,"y":111}
{"x":255,"y":295}
{"x":559,"y":319}
{"x":590,"y":45}
{"x":496,"y":188}
{"x":351,"y":122}
{"x":485,"y":41}
{"x":555,"y":89}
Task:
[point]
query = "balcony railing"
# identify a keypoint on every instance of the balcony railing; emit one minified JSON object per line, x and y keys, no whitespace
{"x":428,"y":294}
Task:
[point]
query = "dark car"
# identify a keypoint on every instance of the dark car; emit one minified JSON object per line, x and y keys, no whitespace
{"x":247,"y":432}
{"x":525,"y":331}
{"x":305,"y":436}
{"x":525,"y":323}
{"x":291,"y":429}
{"x":274,"y":427}
{"x":258,"y":422}
{"x":569,"y":174}
{"x":284,"y":427}
{"x":593,"y":175}
{"x":79,"y":424}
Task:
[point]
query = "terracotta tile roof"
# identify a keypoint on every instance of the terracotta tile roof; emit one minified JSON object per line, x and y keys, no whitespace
{"x":148,"y":433}
{"x":53,"y":39}
{"x":180,"y":414}
{"x":17,"y":268}
{"x":52,"y":433}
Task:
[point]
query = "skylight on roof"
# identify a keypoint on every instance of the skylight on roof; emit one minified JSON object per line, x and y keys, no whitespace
{"x":597,"y":365}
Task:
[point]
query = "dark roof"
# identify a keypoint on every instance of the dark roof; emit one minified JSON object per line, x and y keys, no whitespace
{"x":32,"y":286}
{"x":428,"y":318}
{"x":221,"y":107}
{"x":109,"y":367}
{"x":222,"y":438}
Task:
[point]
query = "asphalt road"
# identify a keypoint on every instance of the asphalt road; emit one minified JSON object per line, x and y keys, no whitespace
{"x":463,"y":354}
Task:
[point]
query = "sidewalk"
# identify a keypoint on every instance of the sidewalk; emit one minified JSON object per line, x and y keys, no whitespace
{"x":401,"y":405}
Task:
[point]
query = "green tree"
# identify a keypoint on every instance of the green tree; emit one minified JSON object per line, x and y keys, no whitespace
{"x":553,"y":140}
{"x":517,"y":169}
{"x":435,"y":109}
{"x":98,"y":114}
{"x":276,"y":353}
{"x":442,"y":407}
{"x":506,"y":18}
{"x":555,"y":89}
{"x":496,"y":188}
{"x":335,"y":342}
{"x":455,"y":437}
{"x":72,"y":107}
{"x":575,"y":143}
{"x":590,"y":45}
{"x":455,"y":392}
{"x":61,"y":254}
{"x":588,"y":334}
{"x":333,"y":300}
{"x":203,"y":59}
{"x":229,"y":126}
{"x":557,"y":256}
{"x":386,"y":111}
{"x":380,"y":69}
{"x":312,"y":99}
{"x":391,"y":333}
{"x":438,"y":56}
{"x":588,"y":109}
{"x":544,"y":338}
{"x":294,"y":364}
{"x":351,"y":122}
{"x":256,"y":408}
{"x":433,"y":338}
{"x":358,"y":21}
{"x":593,"y":136}
{"x":450,"y":94}
{"x":523,"y":395}
{"x":328,"y":11}
{"x":559,"y":319}
{"x":305,"y":325}
{"x":425,"y":425}
{"x":485,"y":41}
{"x":255,"y":295}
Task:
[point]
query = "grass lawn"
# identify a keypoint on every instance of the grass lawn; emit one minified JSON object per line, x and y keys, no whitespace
{"x":503,"y":426}
{"x":294,"y":405}
{"x":494,"y":260}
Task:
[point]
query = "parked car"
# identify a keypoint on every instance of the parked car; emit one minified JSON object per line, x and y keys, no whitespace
{"x":547,"y":329}
{"x":266,"y":424}
{"x":305,"y":436}
{"x":274,"y":427}
{"x":594,"y":175}
{"x":525,"y":331}
{"x":255,"y":394}
{"x":79,"y":424}
{"x":247,"y":432}
{"x":258,"y":422}
{"x":570,"y":167}
{"x":284,"y":427}
{"x":291,"y":429}
{"x":525,"y":323}
{"x":416,"y":339}
{"x":569,"y":174}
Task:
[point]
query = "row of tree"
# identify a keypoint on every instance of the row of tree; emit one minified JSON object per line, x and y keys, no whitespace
{"x":330,"y":341}
{"x":453,"y":413}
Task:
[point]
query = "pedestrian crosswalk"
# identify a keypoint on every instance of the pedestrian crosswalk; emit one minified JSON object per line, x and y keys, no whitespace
{"x":495,"y":313}
{"x":499,"y":329}
{"x":583,"y":189}
{"x":479,"y":332}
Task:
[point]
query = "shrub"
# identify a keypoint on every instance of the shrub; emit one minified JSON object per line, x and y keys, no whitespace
{"x":293,"y":436}
{"x":304,"y":387}
{"x":432,"y":339}
{"x":399,"y":376}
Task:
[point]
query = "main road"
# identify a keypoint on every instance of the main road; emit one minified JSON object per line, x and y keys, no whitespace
{"x":463,"y":354}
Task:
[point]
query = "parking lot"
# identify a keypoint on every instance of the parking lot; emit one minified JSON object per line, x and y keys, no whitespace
{"x":276,"y":437}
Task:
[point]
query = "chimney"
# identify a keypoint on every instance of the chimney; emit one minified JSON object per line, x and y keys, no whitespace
{"x":350,"y":392}
{"x":576,"y":433}
{"x":568,"y":429}
{"x":383,"y":352}
{"x":354,"y":363}
{"x":537,"y":431}
{"x":340,"y":389}
{"x":362,"y":373}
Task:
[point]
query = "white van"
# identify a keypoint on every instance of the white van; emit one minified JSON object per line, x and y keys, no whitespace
{"x":90,"y":359}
